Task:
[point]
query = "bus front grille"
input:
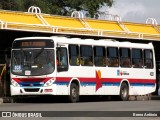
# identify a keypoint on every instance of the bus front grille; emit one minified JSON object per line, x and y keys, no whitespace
{"x":31,"y":89}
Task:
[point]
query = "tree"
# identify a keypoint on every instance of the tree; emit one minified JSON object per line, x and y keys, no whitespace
{"x":8,"y":5}
{"x":60,"y":7}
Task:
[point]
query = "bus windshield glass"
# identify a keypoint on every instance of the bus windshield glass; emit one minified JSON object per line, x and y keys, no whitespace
{"x":32,"y":62}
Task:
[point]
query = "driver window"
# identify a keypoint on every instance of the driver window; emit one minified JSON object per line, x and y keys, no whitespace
{"x":62,"y":58}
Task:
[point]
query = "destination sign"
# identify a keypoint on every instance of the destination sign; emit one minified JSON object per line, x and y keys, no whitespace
{"x":41,"y":43}
{"x":33,"y":44}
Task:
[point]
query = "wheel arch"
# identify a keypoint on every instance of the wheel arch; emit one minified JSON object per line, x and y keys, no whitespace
{"x":124,"y":90}
{"x":76,"y":81}
{"x":125,"y":81}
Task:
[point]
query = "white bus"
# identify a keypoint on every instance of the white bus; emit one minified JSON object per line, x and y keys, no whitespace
{"x":74,"y":67}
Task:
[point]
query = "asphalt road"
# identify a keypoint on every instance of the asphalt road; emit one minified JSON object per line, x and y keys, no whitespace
{"x":85,"y":109}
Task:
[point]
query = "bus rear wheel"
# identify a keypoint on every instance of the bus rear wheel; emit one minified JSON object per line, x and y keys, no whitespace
{"x":124,"y":91}
{"x":74,"y":93}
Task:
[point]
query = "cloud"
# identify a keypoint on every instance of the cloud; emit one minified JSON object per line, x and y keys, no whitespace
{"x":135,"y":10}
{"x":127,"y":10}
{"x":124,"y":9}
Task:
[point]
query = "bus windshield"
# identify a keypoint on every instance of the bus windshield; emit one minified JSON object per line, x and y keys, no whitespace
{"x":33,"y":62}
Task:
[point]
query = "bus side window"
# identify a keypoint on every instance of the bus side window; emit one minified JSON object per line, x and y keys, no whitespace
{"x":86,"y":53}
{"x":112,"y":54}
{"x":99,"y":56}
{"x":62,"y":59}
{"x":148,"y":58}
{"x":137,"y":59}
{"x":74,"y":55}
{"x":125,"y":60}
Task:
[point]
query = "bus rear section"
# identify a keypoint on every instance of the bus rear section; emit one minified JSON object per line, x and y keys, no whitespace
{"x":73,"y":67}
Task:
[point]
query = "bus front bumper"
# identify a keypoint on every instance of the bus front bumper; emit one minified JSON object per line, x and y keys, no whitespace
{"x":50,"y":90}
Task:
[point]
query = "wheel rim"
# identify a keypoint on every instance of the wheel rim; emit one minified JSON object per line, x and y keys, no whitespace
{"x":74,"y":93}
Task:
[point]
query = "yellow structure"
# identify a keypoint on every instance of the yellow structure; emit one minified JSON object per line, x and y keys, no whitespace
{"x":35,"y":21}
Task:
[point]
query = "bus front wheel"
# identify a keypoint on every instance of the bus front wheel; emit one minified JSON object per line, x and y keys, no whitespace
{"x":74,"y":93}
{"x":124,"y":91}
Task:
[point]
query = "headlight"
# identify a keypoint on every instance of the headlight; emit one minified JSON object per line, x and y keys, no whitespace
{"x":14,"y":83}
{"x":49,"y":82}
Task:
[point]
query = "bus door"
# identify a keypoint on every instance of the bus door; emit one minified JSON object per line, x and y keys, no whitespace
{"x":62,"y":70}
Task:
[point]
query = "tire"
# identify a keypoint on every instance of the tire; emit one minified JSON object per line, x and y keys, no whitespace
{"x":124,"y":91}
{"x":74,"y":93}
{"x":13,"y":100}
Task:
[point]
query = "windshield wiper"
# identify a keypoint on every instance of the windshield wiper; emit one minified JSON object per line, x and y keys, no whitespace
{"x":39,"y":53}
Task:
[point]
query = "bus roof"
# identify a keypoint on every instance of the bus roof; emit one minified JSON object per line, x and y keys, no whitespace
{"x":100,"y":42}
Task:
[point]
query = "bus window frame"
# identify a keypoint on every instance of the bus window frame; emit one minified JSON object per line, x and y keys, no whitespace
{"x":127,"y":60}
{"x":89,"y":59}
{"x":61,"y":68}
{"x":141,"y":59}
{"x":113,"y":61}
{"x":103,"y":58}
{"x":144,"y":58}
{"x":70,"y":55}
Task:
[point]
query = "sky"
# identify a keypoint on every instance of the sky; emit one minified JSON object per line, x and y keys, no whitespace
{"x":135,"y":10}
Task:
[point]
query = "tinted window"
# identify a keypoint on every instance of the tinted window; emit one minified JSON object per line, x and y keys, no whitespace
{"x":99,"y":56}
{"x":148,"y":59}
{"x":125,"y":60}
{"x":137,"y":60}
{"x":62,"y":59}
{"x":86,"y":55}
{"x":112,"y":54}
{"x":74,"y":55}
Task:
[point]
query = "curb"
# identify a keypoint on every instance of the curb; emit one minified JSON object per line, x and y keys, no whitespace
{"x":155,"y":98}
{"x":1,"y":100}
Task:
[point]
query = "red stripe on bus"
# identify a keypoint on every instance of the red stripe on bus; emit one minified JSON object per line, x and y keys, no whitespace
{"x":131,"y":80}
{"x":82,"y":79}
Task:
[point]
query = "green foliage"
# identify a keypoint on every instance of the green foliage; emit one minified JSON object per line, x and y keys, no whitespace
{"x":60,"y":7}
